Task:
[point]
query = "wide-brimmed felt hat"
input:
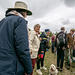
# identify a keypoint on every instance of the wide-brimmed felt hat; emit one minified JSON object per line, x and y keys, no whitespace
{"x":21,"y":5}
{"x":72,"y":30}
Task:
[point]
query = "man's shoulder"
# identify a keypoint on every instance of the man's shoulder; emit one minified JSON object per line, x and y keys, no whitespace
{"x":68,"y":34}
{"x":59,"y":33}
{"x":13,"y":17}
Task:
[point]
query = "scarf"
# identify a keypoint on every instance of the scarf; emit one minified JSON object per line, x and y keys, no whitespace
{"x":16,"y":13}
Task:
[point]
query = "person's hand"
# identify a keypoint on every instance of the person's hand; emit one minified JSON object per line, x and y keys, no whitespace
{"x":40,"y":38}
{"x":27,"y":74}
{"x":30,"y":52}
{"x":68,"y":46}
{"x":63,"y":48}
{"x":42,"y":51}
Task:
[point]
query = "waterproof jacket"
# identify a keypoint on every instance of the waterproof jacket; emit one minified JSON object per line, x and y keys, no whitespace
{"x":34,"y":44}
{"x":70,"y":40}
{"x":44,"y":44}
{"x":14,"y":47}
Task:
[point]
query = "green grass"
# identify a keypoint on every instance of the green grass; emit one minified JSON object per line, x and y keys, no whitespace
{"x":50,"y":58}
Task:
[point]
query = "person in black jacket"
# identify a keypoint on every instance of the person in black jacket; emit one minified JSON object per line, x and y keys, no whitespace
{"x":61,"y":44}
{"x":14,"y":46}
{"x":41,"y":54}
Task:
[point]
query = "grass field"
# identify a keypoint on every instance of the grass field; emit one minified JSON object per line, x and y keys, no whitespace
{"x":50,"y":58}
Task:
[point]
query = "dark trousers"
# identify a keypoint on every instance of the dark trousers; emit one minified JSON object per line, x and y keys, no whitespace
{"x":53,"y":45}
{"x":41,"y":60}
{"x":60,"y":57}
{"x":73,"y":52}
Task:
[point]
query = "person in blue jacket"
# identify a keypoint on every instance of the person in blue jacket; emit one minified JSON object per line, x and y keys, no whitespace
{"x":14,"y":46}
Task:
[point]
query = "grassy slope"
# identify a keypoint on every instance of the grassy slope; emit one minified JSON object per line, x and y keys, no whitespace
{"x":50,"y":58}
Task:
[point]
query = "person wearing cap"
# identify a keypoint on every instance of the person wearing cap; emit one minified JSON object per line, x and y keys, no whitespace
{"x":61,"y":45}
{"x":70,"y":42}
{"x":14,"y":46}
{"x":34,"y":44}
{"x":43,"y":46}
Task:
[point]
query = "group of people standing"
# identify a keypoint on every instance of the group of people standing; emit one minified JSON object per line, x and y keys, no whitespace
{"x":64,"y":44}
{"x":70,"y":51}
{"x":38,"y":43}
{"x":20,"y":48}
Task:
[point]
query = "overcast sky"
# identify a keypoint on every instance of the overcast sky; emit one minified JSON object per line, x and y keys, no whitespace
{"x":52,"y":14}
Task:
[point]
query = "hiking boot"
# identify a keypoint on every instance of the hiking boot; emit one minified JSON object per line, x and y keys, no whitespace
{"x":61,"y":70}
{"x":39,"y":72}
{"x":67,"y":67}
{"x":58,"y":68}
{"x":44,"y":68}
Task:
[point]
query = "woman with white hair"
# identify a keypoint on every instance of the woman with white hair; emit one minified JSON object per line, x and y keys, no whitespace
{"x":34,"y":43}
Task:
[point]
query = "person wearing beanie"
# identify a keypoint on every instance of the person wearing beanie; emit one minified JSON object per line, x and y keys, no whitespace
{"x":41,"y":54}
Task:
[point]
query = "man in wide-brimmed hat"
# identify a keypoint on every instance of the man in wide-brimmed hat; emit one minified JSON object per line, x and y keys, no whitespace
{"x":14,"y":47}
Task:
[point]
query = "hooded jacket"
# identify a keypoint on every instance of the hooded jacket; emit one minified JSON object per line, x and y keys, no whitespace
{"x":44,"y":43}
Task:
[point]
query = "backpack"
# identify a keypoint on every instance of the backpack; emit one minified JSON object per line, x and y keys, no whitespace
{"x":61,"y":39}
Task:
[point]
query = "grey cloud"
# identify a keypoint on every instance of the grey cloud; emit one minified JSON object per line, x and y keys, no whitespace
{"x":65,"y":21}
{"x":69,"y":3}
{"x":53,"y":28}
{"x":6,"y":4}
{"x":45,"y":23}
{"x":40,"y":8}
{"x":72,"y":25}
